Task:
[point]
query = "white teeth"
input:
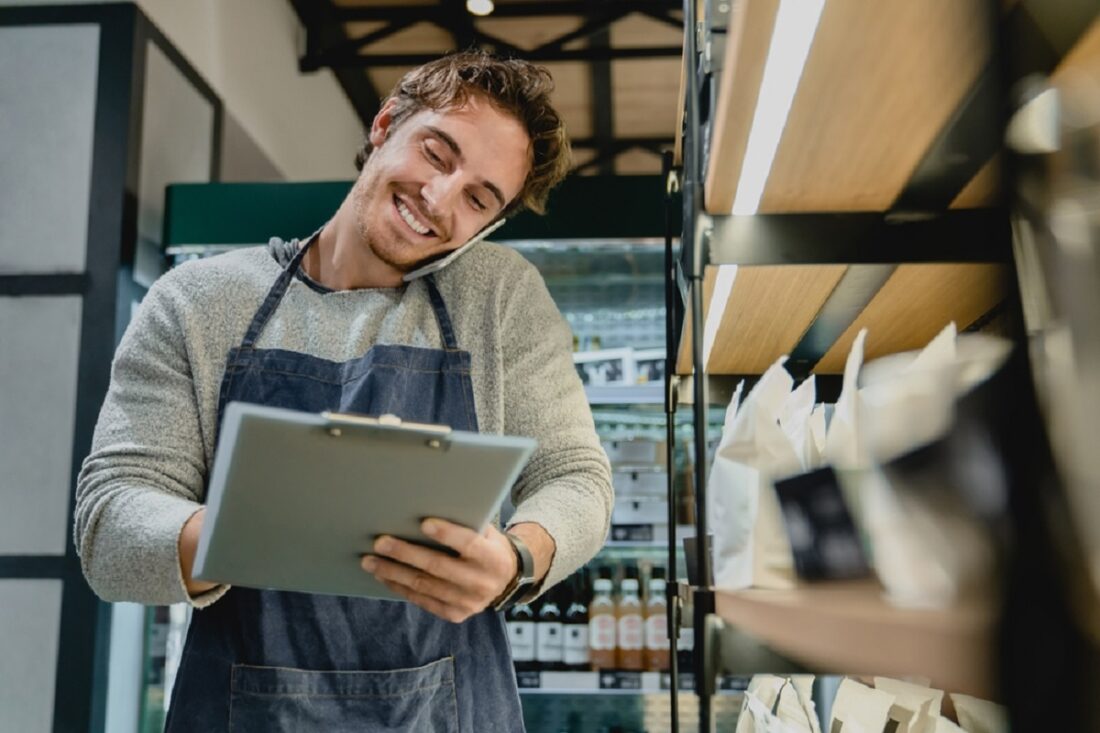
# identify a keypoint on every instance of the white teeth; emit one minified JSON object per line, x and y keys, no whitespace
{"x":410,"y":219}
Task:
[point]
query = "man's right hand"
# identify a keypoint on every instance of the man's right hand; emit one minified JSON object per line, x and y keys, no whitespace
{"x":188,"y":544}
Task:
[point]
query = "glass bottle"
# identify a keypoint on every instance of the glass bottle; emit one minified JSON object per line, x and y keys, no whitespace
{"x":631,"y":628}
{"x":575,"y":653}
{"x":602,"y":625}
{"x":656,"y":623}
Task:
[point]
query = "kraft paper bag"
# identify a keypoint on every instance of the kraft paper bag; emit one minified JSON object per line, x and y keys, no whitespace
{"x":979,"y":716}
{"x":860,"y":709}
{"x":914,"y":704}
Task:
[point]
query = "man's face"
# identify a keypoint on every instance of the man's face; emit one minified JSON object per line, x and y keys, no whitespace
{"x":436,"y":179}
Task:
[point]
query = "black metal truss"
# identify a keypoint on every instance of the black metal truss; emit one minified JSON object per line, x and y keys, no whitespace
{"x":601,"y":106}
{"x":655,"y":8}
{"x":316,"y":17}
{"x":609,"y":148}
{"x":328,"y":45}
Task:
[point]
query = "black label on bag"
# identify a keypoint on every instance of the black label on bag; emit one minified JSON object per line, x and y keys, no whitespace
{"x":824,"y":539}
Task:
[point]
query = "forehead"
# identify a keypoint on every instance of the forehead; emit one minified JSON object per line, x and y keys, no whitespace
{"x":493,"y":143}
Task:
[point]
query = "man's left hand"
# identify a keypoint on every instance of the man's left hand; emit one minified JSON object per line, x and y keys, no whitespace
{"x":453,"y":588}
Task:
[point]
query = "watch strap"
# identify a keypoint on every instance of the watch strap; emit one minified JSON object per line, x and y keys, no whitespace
{"x":525,"y":574}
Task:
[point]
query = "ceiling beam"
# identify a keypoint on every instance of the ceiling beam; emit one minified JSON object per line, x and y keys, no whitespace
{"x":622,"y":142}
{"x":502,"y":10}
{"x":317,"y":54}
{"x":600,"y":95}
{"x":663,"y":17}
{"x":594,"y":29}
{"x":367,"y":60}
{"x":321,"y":31}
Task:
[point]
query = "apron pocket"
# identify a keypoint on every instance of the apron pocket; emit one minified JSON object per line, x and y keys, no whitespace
{"x":274,"y":699}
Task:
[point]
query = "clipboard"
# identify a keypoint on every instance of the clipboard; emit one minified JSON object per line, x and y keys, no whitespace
{"x":296,"y":498}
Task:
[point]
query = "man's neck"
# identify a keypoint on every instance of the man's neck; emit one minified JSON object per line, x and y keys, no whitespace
{"x":340,"y":260}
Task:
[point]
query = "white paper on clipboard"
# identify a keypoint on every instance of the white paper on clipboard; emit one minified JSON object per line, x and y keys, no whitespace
{"x":296,"y":499}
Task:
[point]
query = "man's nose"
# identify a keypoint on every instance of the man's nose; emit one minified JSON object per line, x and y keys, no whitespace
{"x":442,"y":192}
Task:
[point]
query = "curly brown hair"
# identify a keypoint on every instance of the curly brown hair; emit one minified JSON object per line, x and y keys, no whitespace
{"x":512,"y":85}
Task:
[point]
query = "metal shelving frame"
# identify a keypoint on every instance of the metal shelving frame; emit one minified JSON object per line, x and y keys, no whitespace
{"x":919,"y":228}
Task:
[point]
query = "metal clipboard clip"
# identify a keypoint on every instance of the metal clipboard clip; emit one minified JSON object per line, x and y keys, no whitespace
{"x":387,"y":426}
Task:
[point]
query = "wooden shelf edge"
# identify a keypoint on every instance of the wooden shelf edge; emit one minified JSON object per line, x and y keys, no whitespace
{"x":848,"y":628}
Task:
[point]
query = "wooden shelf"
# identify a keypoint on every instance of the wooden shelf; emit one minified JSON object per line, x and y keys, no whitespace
{"x":770,"y":308}
{"x":852,"y":139}
{"x":915,"y":304}
{"x":847,"y":628}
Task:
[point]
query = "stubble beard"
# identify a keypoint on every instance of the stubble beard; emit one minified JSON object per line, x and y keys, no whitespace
{"x":364,"y":191}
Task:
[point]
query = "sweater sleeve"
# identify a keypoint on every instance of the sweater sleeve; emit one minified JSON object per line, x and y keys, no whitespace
{"x":146,"y":472}
{"x":566,"y":487}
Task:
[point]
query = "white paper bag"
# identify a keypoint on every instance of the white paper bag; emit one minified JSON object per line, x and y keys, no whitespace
{"x":750,"y":541}
{"x":788,"y":697}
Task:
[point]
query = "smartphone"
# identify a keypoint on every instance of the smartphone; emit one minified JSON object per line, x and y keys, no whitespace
{"x":444,"y":261}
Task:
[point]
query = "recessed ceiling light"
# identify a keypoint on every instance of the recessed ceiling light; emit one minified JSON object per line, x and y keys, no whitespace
{"x":480,"y":7}
{"x":795,"y":26}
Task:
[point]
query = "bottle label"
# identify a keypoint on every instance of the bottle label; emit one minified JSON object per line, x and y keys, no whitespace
{"x":601,"y":632}
{"x":521,"y":635}
{"x":548,"y":643}
{"x":631,"y":634}
{"x":656,"y":632}
{"x":576,"y":644}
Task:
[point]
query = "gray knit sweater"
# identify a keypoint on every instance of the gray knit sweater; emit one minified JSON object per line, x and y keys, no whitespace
{"x":154,"y":442}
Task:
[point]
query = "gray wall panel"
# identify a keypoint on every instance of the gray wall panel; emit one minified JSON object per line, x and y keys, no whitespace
{"x":30,"y":614}
{"x":47,"y":98}
{"x":177,"y":140}
{"x":242,"y":158}
{"x":38,"y":368}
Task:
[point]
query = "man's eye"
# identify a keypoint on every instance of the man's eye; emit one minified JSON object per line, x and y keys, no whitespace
{"x":432,"y":156}
{"x":477,"y":203}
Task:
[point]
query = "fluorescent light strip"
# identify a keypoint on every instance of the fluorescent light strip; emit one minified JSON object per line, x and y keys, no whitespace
{"x":723,"y":286}
{"x":795,"y":25}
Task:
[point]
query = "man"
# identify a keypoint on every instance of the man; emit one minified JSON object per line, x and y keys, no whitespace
{"x":331,"y":324}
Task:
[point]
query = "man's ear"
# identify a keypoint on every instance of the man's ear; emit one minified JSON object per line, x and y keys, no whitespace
{"x":380,"y":127}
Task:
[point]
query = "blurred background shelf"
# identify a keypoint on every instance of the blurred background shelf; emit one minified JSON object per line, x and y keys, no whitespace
{"x":848,"y":628}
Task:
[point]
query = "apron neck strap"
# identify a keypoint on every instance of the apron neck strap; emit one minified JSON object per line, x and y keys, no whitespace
{"x":271,"y":302}
{"x":446,"y":330}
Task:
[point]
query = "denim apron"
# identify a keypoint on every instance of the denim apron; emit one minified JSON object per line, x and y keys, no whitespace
{"x":269,"y":661}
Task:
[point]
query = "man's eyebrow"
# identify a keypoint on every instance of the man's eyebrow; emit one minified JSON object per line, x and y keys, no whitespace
{"x":451,"y":143}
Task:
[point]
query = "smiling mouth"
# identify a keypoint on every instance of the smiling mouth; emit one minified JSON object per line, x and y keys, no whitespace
{"x":411,"y":219}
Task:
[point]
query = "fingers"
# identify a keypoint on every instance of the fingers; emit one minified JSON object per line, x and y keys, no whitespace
{"x":461,"y":539}
{"x":420,"y":583}
{"x":432,"y":605}
{"x":453,"y":588}
{"x":430,"y":561}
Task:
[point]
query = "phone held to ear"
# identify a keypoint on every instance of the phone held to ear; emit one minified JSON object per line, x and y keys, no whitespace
{"x":444,"y":261}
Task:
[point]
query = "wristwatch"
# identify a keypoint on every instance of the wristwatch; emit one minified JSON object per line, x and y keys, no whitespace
{"x":524,"y":578}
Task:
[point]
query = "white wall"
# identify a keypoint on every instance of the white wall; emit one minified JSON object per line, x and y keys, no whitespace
{"x":248,"y":50}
